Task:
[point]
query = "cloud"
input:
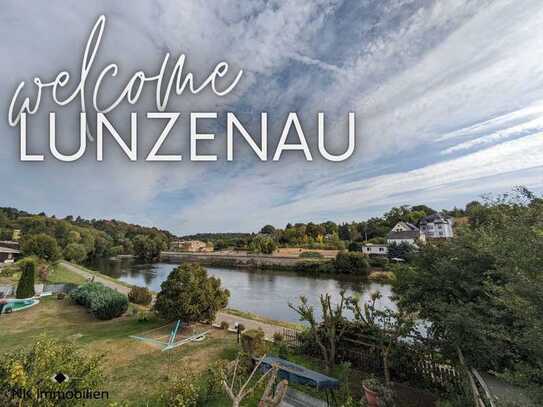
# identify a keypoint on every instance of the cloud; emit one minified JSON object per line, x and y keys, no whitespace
{"x":448,"y":97}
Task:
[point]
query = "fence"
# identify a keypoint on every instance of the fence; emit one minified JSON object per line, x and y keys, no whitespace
{"x":418,"y":365}
{"x":9,"y":290}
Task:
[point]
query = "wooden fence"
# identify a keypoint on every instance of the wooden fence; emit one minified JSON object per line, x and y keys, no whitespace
{"x":408,"y":364}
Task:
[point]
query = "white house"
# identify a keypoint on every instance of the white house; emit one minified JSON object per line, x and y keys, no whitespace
{"x":372,"y":249}
{"x":405,"y":232}
{"x":437,"y":226}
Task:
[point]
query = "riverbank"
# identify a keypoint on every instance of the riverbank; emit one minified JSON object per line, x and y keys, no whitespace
{"x":245,"y":260}
{"x":230,"y":316}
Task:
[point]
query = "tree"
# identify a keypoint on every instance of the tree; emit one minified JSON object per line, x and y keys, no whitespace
{"x":402,"y":250}
{"x":189,"y":295}
{"x":25,"y":287}
{"x":482,"y":290}
{"x":351,"y":263}
{"x":355,"y":247}
{"x":75,"y":252}
{"x":31,"y":368}
{"x":386,"y":325}
{"x":237,"y":388}
{"x":43,"y":246}
{"x":267,"y":230}
{"x":148,"y":248}
{"x":329,"y":332}
{"x":262,"y":244}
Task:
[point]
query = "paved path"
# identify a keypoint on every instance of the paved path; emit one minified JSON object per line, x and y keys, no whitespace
{"x":268,"y":329}
{"x":97,"y":278}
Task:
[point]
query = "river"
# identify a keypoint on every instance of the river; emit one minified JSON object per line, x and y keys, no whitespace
{"x":266,"y":293}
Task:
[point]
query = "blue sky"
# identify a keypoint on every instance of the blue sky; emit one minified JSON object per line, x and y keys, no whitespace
{"x":448,"y":97}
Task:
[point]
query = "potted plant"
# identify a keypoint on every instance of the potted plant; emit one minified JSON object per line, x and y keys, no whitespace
{"x":377,"y":394}
{"x":372,"y":388}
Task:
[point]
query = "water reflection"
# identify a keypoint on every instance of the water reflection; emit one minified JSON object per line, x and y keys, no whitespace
{"x":263,"y":292}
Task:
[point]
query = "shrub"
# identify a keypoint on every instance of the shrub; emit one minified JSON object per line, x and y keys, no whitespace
{"x":25,"y":287}
{"x":61,"y":296}
{"x":355,"y":247}
{"x":30,"y":369}
{"x":190,"y":295}
{"x":381,"y":262}
{"x":225,"y":325}
{"x":277,"y":337}
{"x":183,"y":393}
{"x":252,"y":342}
{"x":140,"y":295}
{"x":102,"y":301}
{"x":351,"y":263}
{"x":241,"y":327}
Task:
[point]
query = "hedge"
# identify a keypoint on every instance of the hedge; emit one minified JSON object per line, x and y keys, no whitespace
{"x":102,"y":301}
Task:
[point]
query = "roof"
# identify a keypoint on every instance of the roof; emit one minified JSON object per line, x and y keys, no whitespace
{"x":9,"y":250}
{"x":435,"y":218}
{"x":407,"y":225}
{"x":409,"y":234}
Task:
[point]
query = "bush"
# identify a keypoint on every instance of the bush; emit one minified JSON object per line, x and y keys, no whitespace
{"x":355,"y":247}
{"x":183,"y":393}
{"x":103,"y":302}
{"x":351,"y":263}
{"x":30,"y":369}
{"x":225,"y":325}
{"x":140,"y":295}
{"x":25,"y":287}
{"x":252,"y":342}
{"x":381,"y":262}
{"x":277,"y":337}
{"x":241,"y":327}
{"x":61,"y":296}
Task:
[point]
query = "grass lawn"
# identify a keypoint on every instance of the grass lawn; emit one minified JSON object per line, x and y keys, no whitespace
{"x":135,"y":371}
{"x":60,"y":274}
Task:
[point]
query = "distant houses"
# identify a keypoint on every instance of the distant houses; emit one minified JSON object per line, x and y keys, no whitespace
{"x":375,"y":249}
{"x":405,"y":232}
{"x":437,"y":226}
{"x":190,"y":246}
{"x":9,"y":251}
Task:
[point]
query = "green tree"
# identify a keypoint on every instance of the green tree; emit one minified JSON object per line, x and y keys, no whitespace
{"x":189,"y":295}
{"x":25,"y":287}
{"x":482,"y":290}
{"x":267,"y":230}
{"x":75,"y":252}
{"x":401,"y":250}
{"x":351,"y":263}
{"x":31,"y":369}
{"x":262,"y":244}
{"x":43,"y":246}
{"x":148,"y":248}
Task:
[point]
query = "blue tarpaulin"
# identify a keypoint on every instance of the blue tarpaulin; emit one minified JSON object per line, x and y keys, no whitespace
{"x":298,"y":374}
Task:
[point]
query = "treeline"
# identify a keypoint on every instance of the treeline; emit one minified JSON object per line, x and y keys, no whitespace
{"x":78,"y":239}
{"x":331,"y":235}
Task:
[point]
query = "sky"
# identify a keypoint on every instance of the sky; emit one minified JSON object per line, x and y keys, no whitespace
{"x":448,"y":97}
